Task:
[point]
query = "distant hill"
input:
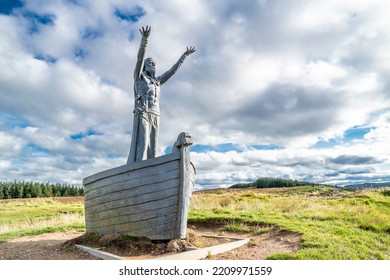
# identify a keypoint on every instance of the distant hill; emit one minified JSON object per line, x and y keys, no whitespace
{"x":268,"y":182}
{"x":368,"y":185}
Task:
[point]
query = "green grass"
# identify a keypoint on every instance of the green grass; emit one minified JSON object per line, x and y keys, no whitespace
{"x":28,"y":217}
{"x":333,"y":223}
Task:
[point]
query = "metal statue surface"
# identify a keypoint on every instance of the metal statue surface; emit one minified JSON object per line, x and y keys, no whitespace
{"x":146,"y":101}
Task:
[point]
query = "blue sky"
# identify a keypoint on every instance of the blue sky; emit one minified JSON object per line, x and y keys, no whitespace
{"x":291,"y":89}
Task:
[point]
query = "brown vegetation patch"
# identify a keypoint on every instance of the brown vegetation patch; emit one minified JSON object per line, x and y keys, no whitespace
{"x":143,"y":248}
{"x":60,"y":246}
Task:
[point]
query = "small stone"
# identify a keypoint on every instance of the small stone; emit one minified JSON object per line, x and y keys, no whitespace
{"x":173,"y":246}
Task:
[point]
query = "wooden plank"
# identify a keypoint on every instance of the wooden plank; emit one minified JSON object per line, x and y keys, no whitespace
{"x":128,"y":219}
{"x":127,"y":183}
{"x":136,"y":201}
{"x":136,"y":217}
{"x":132,"y":210}
{"x":129,"y":167}
{"x":157,"y":225}
{"x":144,"y":226}
{"x":123,"y":193}
{"x":129,"y":186}
{"x":141,"y":228}
{"x":130,"y":175}
{"x":129,"y":210}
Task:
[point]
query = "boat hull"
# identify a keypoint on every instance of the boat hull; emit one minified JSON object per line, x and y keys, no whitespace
{"x":144,"y":199}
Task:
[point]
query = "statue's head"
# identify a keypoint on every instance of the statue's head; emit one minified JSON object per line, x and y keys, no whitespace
{"x":184,"y":138}
{"x":149,"y":65}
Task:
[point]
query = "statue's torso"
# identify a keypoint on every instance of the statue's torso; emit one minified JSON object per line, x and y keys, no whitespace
{"x":148,"y":89}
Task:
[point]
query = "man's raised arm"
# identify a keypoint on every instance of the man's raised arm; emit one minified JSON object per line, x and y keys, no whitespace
{"x":164,"y":77}
{"x":145,"y":32}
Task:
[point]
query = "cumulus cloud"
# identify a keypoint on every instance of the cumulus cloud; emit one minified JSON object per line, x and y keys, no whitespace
{"x":10,"y":146}
{"x":292,"y":75}
{"x":354,"y":160}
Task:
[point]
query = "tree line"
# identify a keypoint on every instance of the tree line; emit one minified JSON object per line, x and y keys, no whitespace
{"x":268,"y":182}
{"x":34,"y":189}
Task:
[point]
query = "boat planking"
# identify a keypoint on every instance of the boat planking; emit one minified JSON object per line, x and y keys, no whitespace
{"x":149,"y":198}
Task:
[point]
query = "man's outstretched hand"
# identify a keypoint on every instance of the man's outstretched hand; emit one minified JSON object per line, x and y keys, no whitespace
{"x":145,"y":31}
{"x":189,"y":50}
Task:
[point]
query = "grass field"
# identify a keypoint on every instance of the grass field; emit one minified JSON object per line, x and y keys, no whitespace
{"x":333,"y":223}
{"x":34,"y":216}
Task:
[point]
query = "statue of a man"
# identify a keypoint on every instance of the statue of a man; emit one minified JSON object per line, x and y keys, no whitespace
{"x":147,"y":99}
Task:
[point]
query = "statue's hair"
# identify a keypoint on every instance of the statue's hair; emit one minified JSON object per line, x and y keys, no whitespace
{"x":149,"y":59}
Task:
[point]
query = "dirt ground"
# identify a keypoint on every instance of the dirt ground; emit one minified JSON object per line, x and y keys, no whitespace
{"x":60,"y":246}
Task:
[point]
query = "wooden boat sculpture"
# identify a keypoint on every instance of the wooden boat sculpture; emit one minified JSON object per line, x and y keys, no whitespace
{"x":148,"y":199}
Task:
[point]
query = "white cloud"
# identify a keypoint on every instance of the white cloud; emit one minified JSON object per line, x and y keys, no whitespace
{"x":10,"y":146}
{"x":265,"y":72}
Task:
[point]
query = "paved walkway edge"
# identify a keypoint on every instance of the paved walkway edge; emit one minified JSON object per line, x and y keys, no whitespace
{"x":204,"y":252}
{"x":193,"y":254}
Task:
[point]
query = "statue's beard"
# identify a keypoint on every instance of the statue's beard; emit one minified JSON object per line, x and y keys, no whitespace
{"x":150,"y":73}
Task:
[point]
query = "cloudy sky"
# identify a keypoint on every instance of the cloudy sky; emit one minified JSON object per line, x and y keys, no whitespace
{"x":291,"y":89}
